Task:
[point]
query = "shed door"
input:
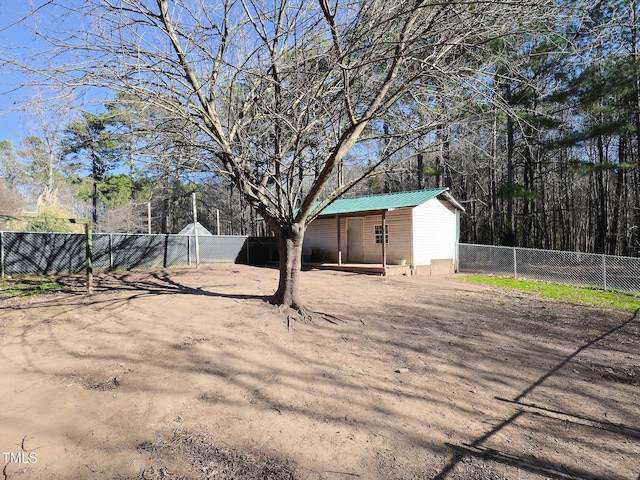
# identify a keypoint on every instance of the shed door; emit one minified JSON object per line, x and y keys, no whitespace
{"x":355,"y":240}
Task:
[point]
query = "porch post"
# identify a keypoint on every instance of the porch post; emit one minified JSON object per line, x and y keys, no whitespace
{"x":384,"y":241}
{"x":339,"y":242}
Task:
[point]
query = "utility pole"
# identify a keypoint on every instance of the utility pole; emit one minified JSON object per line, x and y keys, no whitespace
{"x":149,"y":217}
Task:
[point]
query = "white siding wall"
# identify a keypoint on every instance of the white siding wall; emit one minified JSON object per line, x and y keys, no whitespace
{"x":399,"y":246}
{"x":434,"y":232}
{"x":322,"y":233}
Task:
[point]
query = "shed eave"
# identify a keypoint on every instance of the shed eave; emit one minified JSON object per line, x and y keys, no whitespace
{"x":361,"y":213}
{"x":449,"y":198}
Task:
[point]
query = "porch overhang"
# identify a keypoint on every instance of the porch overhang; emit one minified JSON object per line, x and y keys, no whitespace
{"x":367,"y":213}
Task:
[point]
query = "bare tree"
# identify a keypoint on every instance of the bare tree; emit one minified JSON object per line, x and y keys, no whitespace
{"x":281,"y":92}
{"x":11,"y":202}
{"x":47,"y":121}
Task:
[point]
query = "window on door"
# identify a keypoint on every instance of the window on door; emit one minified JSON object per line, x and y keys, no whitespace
{"x":378,"y":229}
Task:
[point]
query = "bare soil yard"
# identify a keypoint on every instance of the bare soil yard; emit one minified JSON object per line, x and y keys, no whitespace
{"x":186,"y":373}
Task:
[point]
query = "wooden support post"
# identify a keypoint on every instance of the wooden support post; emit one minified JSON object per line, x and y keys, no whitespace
{"x":88,"y":248}
{"x":339,"y":241}
{"x":384,"y":242}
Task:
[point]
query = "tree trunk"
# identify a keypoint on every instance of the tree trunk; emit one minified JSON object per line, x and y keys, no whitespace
{"x":509,"y":227}
{"x":634,"y":243}
{"x":289,"y":242}
{"x":601,"y":192}
{"x":94,"y":202}
{"x":132,"y":168}
{"x":618,"y":203}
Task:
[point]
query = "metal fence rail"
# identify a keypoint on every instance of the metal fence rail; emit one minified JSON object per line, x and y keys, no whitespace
{"x":572,"y":268}
{"x":24,"y":253}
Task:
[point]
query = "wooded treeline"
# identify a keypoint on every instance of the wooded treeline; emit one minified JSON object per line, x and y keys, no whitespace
{"x":123,"y":168}
{"x":559,"y":166}
{"x":545,"y":156}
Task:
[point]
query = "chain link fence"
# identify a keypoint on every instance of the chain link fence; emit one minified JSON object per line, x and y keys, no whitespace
{"x":571,"y":268}
{"x":24,"y":253}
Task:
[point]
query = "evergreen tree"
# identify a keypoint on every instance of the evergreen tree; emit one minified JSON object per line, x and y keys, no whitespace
{"x":90,"y":142}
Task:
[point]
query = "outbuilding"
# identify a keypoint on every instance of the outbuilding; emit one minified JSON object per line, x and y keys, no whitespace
{"x":414,"y":232}
{"x":191,"y":228}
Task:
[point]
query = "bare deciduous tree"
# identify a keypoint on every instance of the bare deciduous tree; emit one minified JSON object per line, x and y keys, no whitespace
{"x":11,"y":202}
{"x":47,"y":120}
{"x":281,"y":92}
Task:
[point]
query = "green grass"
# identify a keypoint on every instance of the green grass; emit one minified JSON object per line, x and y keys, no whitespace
{"x":581,"y":295}
{"x":27,"y":287}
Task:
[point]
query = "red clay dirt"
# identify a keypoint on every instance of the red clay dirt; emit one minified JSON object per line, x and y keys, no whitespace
{"x":190,"y":374}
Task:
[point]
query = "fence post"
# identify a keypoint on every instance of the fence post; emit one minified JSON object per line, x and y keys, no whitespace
{"x":89,"y":256}
{"x":195,"y":229}
{"x":515,"y":265}
{"x":166,"y":251}
{"x":111,"y":252}
{"x":604,"y":270}
{"x":1,"y":254}
{"x":189,"y":250}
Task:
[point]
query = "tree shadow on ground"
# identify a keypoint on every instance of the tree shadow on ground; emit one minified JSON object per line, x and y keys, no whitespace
{"x":232,"y":379}
{"x":145,"y":284}
{"x":538,"y":465}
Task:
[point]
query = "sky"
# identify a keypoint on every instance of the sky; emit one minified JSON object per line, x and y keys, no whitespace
{"x":13,"y":39}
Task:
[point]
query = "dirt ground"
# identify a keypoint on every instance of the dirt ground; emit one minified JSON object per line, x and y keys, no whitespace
{"x":185,"y":373}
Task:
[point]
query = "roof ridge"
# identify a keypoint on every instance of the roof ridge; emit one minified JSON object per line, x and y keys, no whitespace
{"x":393,"y":193}
{"x":381,"y":201}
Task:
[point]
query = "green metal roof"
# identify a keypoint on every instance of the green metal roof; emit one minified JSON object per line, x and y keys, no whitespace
{"x":385,"y":201}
